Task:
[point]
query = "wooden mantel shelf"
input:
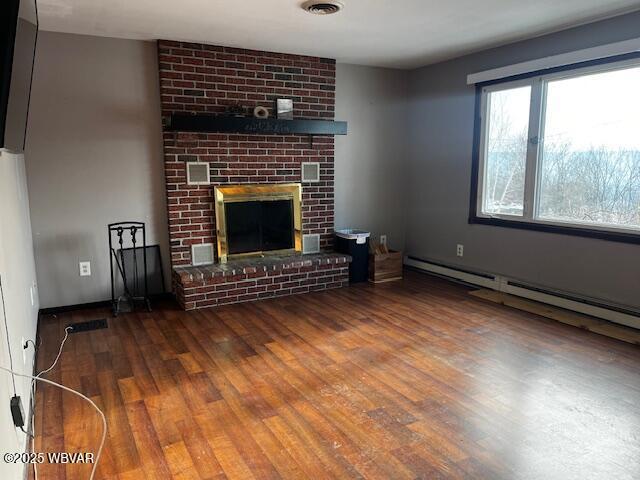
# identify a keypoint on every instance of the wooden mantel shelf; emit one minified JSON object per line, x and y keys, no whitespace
{"x":179,"y":122}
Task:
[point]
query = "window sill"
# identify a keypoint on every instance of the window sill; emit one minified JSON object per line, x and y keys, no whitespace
{"x":587,"y":232}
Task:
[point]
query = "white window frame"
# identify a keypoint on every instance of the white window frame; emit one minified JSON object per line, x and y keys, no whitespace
{"x":538,"y":84}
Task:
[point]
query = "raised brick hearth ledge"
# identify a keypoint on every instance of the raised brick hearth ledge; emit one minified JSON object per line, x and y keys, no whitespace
{"x":257,"y":278}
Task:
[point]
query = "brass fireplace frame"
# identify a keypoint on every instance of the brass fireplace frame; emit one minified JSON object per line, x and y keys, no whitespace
{"x":256,"y":192}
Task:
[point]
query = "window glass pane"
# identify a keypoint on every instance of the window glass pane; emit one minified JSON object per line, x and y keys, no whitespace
{"x":590,"y":165}
{"x":506,"y":151}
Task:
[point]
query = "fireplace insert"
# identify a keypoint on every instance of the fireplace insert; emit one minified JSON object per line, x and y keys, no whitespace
{"x":258,"y":219}
{"x":259,"y":226}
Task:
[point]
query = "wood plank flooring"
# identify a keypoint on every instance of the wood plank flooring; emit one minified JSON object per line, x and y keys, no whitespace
{"x":406,"y":380}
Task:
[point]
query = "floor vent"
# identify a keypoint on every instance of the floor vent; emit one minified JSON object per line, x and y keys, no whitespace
{"x":88,"y":326}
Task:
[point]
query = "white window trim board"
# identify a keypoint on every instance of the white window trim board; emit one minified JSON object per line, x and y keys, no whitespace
{"x":563,"y":59}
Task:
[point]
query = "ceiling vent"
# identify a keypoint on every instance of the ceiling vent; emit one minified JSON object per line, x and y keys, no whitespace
{"x":322,"y":8}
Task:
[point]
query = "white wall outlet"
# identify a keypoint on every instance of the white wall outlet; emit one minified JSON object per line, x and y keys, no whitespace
{"x":460,"y":250}
{"x":383,"y":240}
{"x":85,"y":269}
{"x":25,"y":345}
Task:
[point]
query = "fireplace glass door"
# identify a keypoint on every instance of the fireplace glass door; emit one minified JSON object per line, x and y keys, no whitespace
{"x":258,"y":219}
{"x":259,"y":226}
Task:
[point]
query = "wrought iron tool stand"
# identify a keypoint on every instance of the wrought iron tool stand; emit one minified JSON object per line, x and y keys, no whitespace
{"x":134,"y":293}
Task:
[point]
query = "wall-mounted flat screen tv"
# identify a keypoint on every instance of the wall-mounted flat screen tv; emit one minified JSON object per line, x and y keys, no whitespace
{"x":18,"y":35}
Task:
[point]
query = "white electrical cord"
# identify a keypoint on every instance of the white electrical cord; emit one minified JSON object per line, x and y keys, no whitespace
{"x":66,"y":335}
{"x":33,"y":392}
{"x":33,"y":449}
{"x":104,"y":419}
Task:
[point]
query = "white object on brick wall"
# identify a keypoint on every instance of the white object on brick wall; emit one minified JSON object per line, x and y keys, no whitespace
{"x":310,"y":172}
{"x":202,"y":254}
{"x":198,"y":173}
{"x":311,"y":243}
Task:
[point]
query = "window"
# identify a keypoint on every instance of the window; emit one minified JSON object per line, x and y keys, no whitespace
{"x":506,"y":153}
{"x":562,"y":149}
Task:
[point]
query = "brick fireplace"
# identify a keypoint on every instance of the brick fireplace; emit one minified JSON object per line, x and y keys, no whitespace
{"x":199,"y":79}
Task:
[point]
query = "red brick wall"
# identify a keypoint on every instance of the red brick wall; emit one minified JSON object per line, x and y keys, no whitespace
{"x":202,"y":287}
{"x":207,"y":79}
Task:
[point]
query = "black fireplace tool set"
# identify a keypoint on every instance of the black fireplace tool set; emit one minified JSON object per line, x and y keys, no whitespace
{"x":128,"y":236}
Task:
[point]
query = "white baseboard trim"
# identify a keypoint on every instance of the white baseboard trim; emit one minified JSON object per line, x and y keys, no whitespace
{"x":474,"y":279}
{"x":503,"y":284}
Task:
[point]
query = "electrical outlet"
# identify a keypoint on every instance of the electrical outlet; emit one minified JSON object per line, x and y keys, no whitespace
{"x":383,"y":240}
{"x":85,"y":269}
{"x":25,"y":345}
{"x":460,"y":250}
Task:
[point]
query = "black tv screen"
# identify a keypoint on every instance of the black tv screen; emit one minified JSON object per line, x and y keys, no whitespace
{"x":18,"y":35}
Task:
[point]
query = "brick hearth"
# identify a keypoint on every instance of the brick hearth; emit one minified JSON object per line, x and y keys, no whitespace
{"x":254,"y":279}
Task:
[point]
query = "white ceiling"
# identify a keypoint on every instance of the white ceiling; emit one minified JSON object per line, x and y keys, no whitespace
{"x":390,"y":33}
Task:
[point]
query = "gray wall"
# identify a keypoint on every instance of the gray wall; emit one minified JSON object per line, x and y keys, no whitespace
{"x":404,"y":169}
{"x":441,"y":134}
{"x":95,"y":123}
{"x":371,"y":159}
{"x":94,"y":156}
{"x":19,"y":306}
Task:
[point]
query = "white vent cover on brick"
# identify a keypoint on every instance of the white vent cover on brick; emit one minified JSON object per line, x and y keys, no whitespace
{"x":198,"y":173}
{"x":311,"y":243}
{"x":202,"y":254}
{"x":310,"y":172}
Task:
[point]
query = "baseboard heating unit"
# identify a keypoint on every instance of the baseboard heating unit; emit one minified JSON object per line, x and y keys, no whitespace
{"x":499,"y":283}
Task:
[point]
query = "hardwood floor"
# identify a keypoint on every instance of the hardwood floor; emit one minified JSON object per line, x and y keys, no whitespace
{"x":413,"y":379}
